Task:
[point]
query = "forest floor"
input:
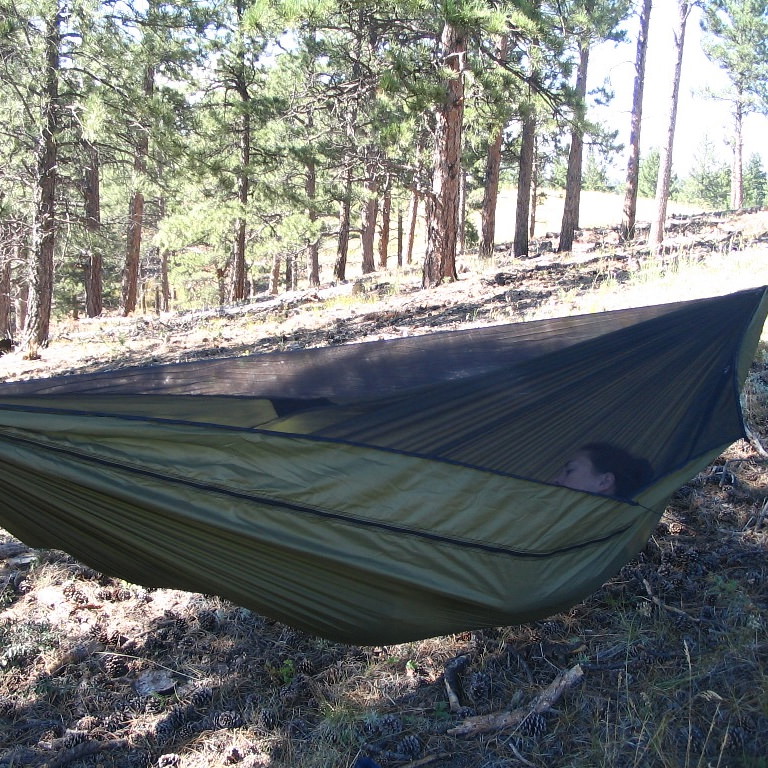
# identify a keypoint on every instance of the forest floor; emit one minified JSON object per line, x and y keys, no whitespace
{"x":670,"y":657}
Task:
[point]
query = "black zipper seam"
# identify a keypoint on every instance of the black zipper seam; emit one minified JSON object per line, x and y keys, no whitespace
{"x":290,"y":435}
{"x":322,"y":513}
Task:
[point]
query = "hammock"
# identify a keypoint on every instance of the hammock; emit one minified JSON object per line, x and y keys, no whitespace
{"x":383,"y":491}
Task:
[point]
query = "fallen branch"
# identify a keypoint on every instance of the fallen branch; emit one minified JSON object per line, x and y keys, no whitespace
{"x":83,"y":749}
{"x":74,"y":656}
{"x":761,"y":516}
{"x":10,"y":549}
{"x":452,"y":683}
{"x":474,"y":726}
{"x":671,"y":608}
{"x":427,"y":760}
{"x":755,"y":442}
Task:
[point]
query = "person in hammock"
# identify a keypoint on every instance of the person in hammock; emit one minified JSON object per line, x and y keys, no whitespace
{"x":605,"y":469}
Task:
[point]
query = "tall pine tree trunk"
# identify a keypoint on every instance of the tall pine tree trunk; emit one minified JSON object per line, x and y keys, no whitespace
{"x":274,"y":278}
{"x":412,"y":222}
{"x":664,"y":178}
{"x":575,"y":156}
{"x":350,"y":129}
{"x":6,"y":255}
{"x":627,"y":226}
{"x":534,"y":190}
{"x":737,"y":169}
{"x":136,"y":207}
{"x":461,"y":224}
{"x":491,"y":177}
{"x":94,"y":263}
{"x":313,"y":245}
{"x":38,"y":315}
{"x":399,"y":236}
{"x":524,"y":180}
{"x":490,"y":196}
{"x":243,"y":193}
{"x":443,"y":201}
{"x":386,"y":216}
{"x":368,"y":217}
{"x":345,"y":216}
{"x":241,"y":82}
{"x":165,"y":287}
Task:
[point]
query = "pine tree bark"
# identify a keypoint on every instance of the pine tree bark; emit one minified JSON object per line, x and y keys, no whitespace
{"x":386,"y":218}
{"x":38,"y":315}
{"x":399,"y":236}
{"x":534,"y":191}
{"x":274,"y":280}
{"x":165,"y":286}
{"x":94,"y":279}
{"x":627,"y":226}
{"x":491,"y":178}
{"x":664,"y":178}
{"x":524,"y":180}
{"x":350,"y":129}
{"x":313,"y":246}
{"x":239,"y":270}
{"x":136,"y":207}
{"x":443,"y":201}
{"x":368,"y":217}
{"x":243,"y":194}
{"x":490,"y":196}
{"x":6,"y":250}
{"x":461,"y":224}
{"x":345,"y":216}
{"x":737,"y":169}
{"x":414,"y":218}
{"x":575,"y":156}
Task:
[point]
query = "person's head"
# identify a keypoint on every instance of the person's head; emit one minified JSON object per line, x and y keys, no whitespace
{"x":606,"y":469}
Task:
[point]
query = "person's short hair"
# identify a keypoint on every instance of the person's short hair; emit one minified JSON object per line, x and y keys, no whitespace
{"x":631,"y":473}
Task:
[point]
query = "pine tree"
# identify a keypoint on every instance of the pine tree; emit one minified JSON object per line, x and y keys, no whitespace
{"x":32,"y":58}
{"x":590,"y":21}
{"x":648,"y":173}
{"x":664,"y":178}
{"x":755,"y":182}
{"x":737,"y":40}
{"x":627,"y":226}
{"x":708,"y":182}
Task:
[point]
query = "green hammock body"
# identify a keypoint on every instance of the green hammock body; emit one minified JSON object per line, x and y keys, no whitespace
{"x":383,"y":491}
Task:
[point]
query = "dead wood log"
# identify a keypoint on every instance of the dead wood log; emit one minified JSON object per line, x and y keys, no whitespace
{"x":83,"y":749}
{"x":452,"y":681}
{"x":427,"y":760}
{"x":73,"y":656}
{"x":474,"y":726}
{"x":671,"y":608}
{"x":11,"y":549}
{"x":754,"y":441}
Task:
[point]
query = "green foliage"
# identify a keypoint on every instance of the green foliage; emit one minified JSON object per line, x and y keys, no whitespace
{"x":755,"y":182}
{"x":709,"y":180}
{"x":169,"y":93}
{"x":648,"y":176}
{"x":736,"y":39}
{"x":648,"y":173}
{"x":471,"y":235}
{"x":283,"y":674}
{"x":595,"y":173}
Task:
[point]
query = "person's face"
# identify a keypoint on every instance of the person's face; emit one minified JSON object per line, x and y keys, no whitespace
{"x":580,"y":474}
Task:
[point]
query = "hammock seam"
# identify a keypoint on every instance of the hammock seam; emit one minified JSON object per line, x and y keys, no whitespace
{"x":293,"y":435}
{"x":326,"y":514}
